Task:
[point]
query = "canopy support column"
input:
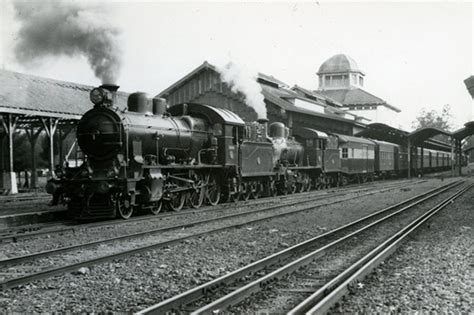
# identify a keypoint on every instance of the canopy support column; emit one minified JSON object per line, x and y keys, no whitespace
{"x":459,"y":150}
{"x":33,"y":134}
{"x":50,"y":125}
{"x":453,"y":157}
{"x":9,"y":178}
{"x":63,"y":133}
{"x":409,"y":158}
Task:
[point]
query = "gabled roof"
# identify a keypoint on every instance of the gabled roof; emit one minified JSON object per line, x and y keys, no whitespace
{"x":31,"y":95}
{"x":277,"y":92}
{"x":357,"y":96}
{"x":204,"y":66}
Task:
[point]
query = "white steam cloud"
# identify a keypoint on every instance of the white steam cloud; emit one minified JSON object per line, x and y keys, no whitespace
{"x":54,"y":28}
{"x":240,"y":79}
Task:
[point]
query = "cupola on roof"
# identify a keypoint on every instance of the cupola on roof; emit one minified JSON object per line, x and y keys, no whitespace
{"x":339,"y":64}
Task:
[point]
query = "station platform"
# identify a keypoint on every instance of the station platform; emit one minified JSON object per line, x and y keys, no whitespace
{"x":28,"y":208}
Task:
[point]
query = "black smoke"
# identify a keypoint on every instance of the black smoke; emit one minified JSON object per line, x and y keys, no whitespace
{"x":54,"y":28}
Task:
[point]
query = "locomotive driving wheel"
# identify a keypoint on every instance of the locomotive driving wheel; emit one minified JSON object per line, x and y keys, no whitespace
{"x":246,"y":191}
{"x":123,"y":205}
{"x":273,"y":189}
{"x":213,"y":191}
{"x":255,"y":189}
{"x":196,"y":195}
{"x":177,"y":201}
{"x":156,"y":206}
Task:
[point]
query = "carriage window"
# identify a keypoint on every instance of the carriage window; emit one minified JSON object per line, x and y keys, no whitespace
{"x":309,"y":143}
{"x":344,"y":153}
{"x":352,"y":152}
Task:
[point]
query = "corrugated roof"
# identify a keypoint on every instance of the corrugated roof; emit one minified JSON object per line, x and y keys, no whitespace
{"x":28,"y":94}
{"x":357,"y":96}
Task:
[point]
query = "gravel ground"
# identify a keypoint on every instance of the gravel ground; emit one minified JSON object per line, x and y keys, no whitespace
{"x":141,"y":280}
{"x":432,"y":272}
{"x":288,"y":292}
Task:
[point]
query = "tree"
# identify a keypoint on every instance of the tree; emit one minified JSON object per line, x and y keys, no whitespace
{"x":434,"y":119}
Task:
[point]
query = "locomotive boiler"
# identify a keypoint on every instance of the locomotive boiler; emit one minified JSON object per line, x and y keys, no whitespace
{"x":128,"y":152}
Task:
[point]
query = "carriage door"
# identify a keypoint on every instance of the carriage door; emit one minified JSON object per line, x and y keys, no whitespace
{"x":365,"y":156}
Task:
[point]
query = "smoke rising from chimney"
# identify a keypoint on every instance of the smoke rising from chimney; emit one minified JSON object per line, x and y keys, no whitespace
{"x":54,"y":28}
{"x":244,"y":81}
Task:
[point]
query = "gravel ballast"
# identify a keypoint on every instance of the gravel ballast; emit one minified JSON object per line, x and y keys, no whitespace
{"x":141,"y":280}
{"x":432,"y":272}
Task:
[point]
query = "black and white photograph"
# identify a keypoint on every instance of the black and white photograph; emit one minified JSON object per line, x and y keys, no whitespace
{"x":236,"y":157}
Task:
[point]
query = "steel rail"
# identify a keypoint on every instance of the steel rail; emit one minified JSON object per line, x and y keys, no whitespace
{"x":200,"y":291}
{"x":335,"y":192}
{"x":29,"y":257}
{"x":256,"y":286}
{"x":60,"y":270}
{"x":324,"y":298}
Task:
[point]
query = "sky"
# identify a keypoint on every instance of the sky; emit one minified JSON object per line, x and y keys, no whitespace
{"x":414,"y":55}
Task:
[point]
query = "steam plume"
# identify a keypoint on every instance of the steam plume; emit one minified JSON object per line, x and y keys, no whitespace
{"x":54,"y":28}
{"x":242,"y":80}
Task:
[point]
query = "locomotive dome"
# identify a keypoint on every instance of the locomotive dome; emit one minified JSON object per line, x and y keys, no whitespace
{"x":339,"y":63}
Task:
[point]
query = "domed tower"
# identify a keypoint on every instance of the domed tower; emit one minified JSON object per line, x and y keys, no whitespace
{"x":340,"y":72}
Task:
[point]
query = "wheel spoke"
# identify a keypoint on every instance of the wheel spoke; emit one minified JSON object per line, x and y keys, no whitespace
{"x":177,"y":201}
{"x":213,"y":192}
{"x":123,"y":206}
{"x":156,"y":207}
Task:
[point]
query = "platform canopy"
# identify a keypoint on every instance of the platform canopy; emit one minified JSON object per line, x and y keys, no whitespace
{"x":466,"y":131}
{"x":383,"y":132}
{"x":420,"y":137}
{"x":34,"y":106}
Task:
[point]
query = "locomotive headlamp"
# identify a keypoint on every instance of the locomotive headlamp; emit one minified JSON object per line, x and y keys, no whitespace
{"x":98,"y":96}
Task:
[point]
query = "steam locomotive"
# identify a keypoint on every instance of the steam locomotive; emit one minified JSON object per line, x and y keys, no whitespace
{"x":148,"y":156}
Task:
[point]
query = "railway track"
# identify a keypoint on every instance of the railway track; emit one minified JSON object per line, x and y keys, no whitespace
{"x":50,"y":228}
{"x":325,"y":297}
{"x":219,"y":294}
{"x":34,"y":266}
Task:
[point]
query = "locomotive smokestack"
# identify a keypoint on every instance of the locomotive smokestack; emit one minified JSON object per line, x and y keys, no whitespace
{"x":113,"y":90}
{"x":111,"y":87}
{"x":264,"y":123}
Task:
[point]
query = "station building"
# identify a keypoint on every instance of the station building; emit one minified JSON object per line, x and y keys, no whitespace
{"x":341,"y":79}
{"x":294,"y":106}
